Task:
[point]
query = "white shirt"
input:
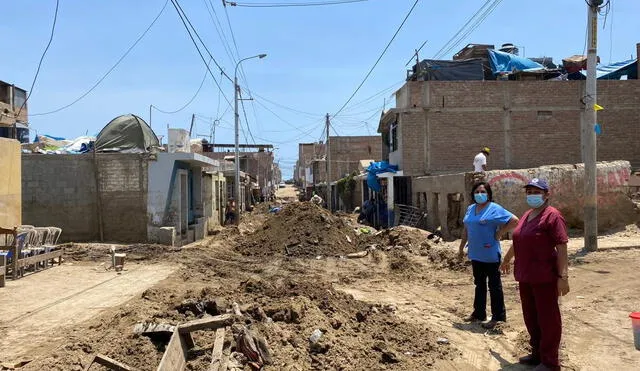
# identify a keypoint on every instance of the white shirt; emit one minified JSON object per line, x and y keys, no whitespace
{"x":479,"y":161}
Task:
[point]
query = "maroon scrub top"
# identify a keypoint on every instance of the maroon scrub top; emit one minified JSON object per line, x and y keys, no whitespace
{"x":534,"y":245}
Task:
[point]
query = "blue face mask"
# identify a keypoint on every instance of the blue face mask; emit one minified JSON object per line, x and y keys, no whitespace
{"x":480,"y":198}
{"x":535,"y":201}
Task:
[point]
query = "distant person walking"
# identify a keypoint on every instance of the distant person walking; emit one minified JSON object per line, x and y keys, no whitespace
{"x":230,"y":214}
{"x":541,"y":269}
{"x":485,"y":223}
{"x":480,"y":161}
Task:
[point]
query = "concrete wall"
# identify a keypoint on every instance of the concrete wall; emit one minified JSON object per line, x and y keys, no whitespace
{"x":444,"y":124}
{"x":10,"y":184}
{"x":60,"y":190}
{"x":615,"y":209}
{"x":215,"y":187}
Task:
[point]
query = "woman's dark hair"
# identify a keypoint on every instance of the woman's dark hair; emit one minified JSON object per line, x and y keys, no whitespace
{"x":487,"y":187}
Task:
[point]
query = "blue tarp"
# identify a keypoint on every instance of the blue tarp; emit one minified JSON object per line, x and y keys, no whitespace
{"x":36,"y":140}
{"x":502,"y":62}
{"x":378,"y":168}
{"x":616,"y":70}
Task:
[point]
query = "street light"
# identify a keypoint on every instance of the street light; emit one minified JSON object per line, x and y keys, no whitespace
{"x":236,"y":90}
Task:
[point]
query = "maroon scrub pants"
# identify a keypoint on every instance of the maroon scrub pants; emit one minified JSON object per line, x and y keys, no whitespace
{"x":542,"y":317}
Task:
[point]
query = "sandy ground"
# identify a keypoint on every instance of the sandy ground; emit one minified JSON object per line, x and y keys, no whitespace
{"x":383,"y":311}
{"x":35,"y":306}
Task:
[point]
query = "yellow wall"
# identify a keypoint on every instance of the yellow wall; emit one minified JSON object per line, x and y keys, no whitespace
{"x":10,"y":183}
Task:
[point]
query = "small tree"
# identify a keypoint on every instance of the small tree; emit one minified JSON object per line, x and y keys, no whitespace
{"x":346,"y":188}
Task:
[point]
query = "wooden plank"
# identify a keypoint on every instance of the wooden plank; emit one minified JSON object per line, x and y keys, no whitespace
{"x":216,"y":355}
{"x":175,"y":356}
{"x":210,"y":323}
{"x":24,"y":262}
{"x":111,"y":364}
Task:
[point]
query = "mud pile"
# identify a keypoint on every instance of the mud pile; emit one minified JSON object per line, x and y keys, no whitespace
{"x":300,"y":230}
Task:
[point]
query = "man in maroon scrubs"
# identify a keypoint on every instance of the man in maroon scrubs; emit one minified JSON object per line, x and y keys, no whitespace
{"x":541,"y":268}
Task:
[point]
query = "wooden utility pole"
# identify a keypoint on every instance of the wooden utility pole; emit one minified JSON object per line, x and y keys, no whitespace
{"x":328,"y":165}
{"x":589,"y":134}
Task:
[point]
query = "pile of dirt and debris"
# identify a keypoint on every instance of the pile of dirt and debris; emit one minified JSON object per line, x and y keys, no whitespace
{"x":412,"y":239}
{"x":300,"y":230}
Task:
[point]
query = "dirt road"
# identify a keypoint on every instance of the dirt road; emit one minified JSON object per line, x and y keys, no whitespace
{"x":388,"y":310}
{"x":288,"y":193}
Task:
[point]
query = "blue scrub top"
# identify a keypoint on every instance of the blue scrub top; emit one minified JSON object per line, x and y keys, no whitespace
{"x":481,"y":231}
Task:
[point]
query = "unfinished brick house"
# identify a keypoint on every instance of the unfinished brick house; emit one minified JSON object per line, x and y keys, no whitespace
{"x":13,"y":112}
{"x":438,"y":127}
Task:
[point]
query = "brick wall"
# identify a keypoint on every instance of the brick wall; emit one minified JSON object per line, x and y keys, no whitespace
{"x":346,"y":153}
{"x":525,"y":123}
{"x":60,"y":190}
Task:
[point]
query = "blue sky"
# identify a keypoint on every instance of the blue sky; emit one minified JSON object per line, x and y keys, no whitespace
{"x":317,"y":56}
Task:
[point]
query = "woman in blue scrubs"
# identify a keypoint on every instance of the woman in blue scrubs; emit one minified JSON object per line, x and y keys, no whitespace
{"x":485,"y":223}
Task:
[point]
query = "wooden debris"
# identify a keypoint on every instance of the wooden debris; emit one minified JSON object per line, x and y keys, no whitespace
{"x":210,"y":323}
{"x":216,"y":355}
{"x":14,"y":365}
{"x":175,"y":356}
{"x":109,"y":363}
{"x":359,"y":254}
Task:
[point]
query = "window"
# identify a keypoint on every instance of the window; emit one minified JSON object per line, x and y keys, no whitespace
{"x":394,"y":138}
{"x":19,"y":97}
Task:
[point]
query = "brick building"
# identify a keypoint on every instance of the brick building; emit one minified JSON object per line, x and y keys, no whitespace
{"x":13,"y":113}
{"x":438,"y":127}
{"x":308,"y":156}
{"x":346,"y":152}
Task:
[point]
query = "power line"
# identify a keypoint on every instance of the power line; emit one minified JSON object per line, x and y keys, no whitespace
{"x":177,"y":5}
{"x":477,"y":19}
{"x":110,"y":69}
{"x":199,"y":52}
{"x":44,"y":53}
{"x":219,"y":29}
{"x":285,"y":5}
{"x":379,"y":58}
{"x":440,"y":52}
{"x":246,"y":120}
{"x":192,"y":98}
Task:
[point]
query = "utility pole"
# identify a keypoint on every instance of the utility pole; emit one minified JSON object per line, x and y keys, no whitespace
{"x":193,"y":120}
{"x":589,"y":133}
{"x":328,"y":165}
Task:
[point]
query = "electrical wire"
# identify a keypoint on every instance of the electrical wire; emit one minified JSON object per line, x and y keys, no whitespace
{"x":246,"y":120}
{"x":254,"y":94}
{"x":448,"y":43}
{"x":177,"y":5}
{"x":44,"y":53}
{"x":206,"y":72}
{"x":285,"y":5}
{"x":219,"y":30}
{"x":110,"y":69}
{"x":478,"y":18}
{"x":199,"y":52}
{"x":379,"y":58}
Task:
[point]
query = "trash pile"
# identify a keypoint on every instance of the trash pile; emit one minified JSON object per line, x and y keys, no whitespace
{"x":301,"y":230}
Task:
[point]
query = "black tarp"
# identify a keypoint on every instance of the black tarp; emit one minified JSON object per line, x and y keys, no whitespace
{"x":126,"y":134}
{"x":442,"y":70}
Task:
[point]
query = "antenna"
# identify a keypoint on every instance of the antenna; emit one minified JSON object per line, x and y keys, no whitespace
{"x":415,"y":53}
